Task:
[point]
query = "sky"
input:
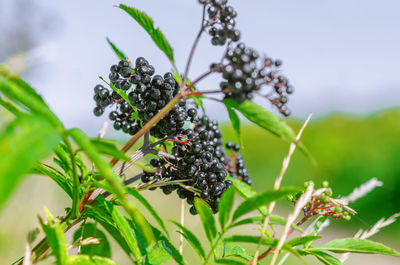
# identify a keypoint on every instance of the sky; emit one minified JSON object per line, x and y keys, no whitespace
{"x":339,"y":55}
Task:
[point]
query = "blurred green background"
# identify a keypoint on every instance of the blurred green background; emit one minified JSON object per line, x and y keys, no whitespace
{"x":349,"y":150}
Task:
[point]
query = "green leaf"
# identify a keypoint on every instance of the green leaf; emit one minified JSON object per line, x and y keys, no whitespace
{"x":90,"y":230}
{"x":102,"y":165}
{"x":263,"y":118}
{"x":262,"y":199}
{"x":297,"y":241}
{"x":90,"y":260}
{"x":271,"y":242}
{"x":56,"y":239}
{"x":148,"y":206}
{"x":237,"y":252}
{"x":158,"y":254}
{"x":109,"y":148}
{"x":126,"y":231}
{"x":169,"y":247}
{"x":100,"y":214}
{"x":192,"y":239}
{"x":252,"y":239}
{"x":19,"y":92}
{"x":273,"y":220}
{"x":27,"y":88}
{"x":23,"y":143}
{"x":225,"y":206}
{"x":235,"y":120}
{"x":63,"y":159}
{"x":325,"y":258}
{"x":56,"y":176}
{"x":230,"y":261}
{"x":120,"y":54}
{"x":148,"y":25}
{"x":11,"y":107}
{"x":115,"y":182}
{"x":207,"y":219}
{"x":245,"y":191}
{"x":355,"y":245}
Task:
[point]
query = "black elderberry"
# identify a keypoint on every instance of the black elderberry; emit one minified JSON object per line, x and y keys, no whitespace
{"x":98,"y":111}
{"x":236,"y":147}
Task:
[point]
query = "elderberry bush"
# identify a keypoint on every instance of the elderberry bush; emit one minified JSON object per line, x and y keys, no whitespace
{"x":147,"y":93}
{"x":200,"y":161}
{"x":245,"y":72}
{"x":236,"y":166}
{"x":221,"y":19}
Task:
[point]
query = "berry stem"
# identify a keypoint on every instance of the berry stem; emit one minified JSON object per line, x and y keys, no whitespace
{"x":212,"y":70}
{"x":197,"y":93}
{"x":150,"y":124}
{"x":194,"y":46}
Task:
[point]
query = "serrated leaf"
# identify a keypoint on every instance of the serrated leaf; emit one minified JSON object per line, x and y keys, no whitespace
{"x":148,"y":25}
{"x":170,"y":247}
{"x":238,"y":252}
{"x":302,"y":240}
{"x":356,"y":245}
{"x":23,"y":143}
{"x":11,"y":107}
{"x":245,"y":191}
{"x":150,"y":208}
{"x":235,"y":120}
{"x":263,"y":118}
{"x":103,"y":166}
{"x":273,"y":220}
{"x":325,"y":258}
{"x":158,"y":254}
{"x":87,"y":230}
{"x":23,"y":94}
{"x":117,"y":51}
{"x":90,"y":260}
{"x":100,"y":214}
{"x":262,"y":199}
{"x":271,"y":242}
{"x":27,"y":88}
{"x":56,"y":239}
{"x":126,"y":230}
{"x":207,"y":219}
{"x":109,"y":148}
{"x":56,"y":176}
{"x":230,"y":261}
{"x":115,"y":182}
{"x":225,"y":206}
{"x":192,"y":239}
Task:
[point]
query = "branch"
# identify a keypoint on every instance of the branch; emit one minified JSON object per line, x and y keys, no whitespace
{"x":285,"y":165}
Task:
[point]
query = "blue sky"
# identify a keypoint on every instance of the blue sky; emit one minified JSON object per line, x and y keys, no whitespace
{"x":340,"y":55}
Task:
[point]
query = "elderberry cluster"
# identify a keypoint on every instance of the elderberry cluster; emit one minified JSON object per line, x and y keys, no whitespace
{"x":200,"y":160}
{"x":221,"y":17}
{"x":147,"y":94}
{"x":245,"y":72}
{"x":236,"y":166}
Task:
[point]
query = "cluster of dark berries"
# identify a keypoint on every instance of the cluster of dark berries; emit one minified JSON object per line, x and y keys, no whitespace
{"x":200,"y":159}
{"x":147,"y":93}
{"x":221,"y":17}
{"x":236,"y":166}
{"x":245,"y":72}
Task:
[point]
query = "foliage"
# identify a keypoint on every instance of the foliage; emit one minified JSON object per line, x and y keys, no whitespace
{"x":99,"y":193}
